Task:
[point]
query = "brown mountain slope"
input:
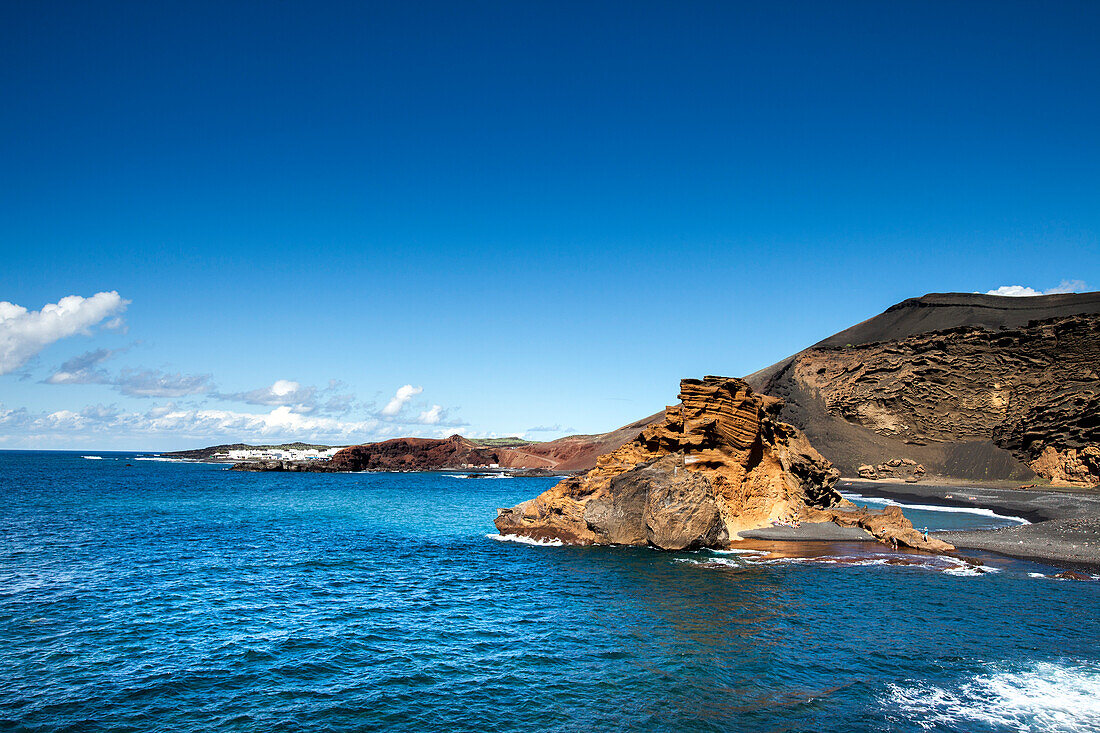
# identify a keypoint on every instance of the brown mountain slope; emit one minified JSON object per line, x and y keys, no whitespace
{"x":997,"y":388}
{"x":571,"y":453}
{"x":574,"y":452}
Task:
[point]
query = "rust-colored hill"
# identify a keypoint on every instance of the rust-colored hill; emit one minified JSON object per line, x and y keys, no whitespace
{"x":571,"y":453}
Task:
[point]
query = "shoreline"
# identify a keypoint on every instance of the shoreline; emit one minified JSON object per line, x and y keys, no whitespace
{"x":1065,"y":525}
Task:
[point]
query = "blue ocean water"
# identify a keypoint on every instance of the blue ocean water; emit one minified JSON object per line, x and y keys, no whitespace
{"x":150,"y":596}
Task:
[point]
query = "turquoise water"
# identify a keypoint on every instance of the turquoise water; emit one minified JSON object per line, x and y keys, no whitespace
{"x":183,"y":597}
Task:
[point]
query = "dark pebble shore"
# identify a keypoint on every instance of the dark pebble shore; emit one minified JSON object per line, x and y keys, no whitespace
{"x":1065,"y":529}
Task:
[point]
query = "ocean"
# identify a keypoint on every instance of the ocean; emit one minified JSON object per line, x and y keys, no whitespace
{"x":143,"y":595}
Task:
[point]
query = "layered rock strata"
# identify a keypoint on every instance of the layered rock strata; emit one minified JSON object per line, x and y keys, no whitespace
{"x":719,"y":463}
{"x":902,"y":468}
{"x":967,"y":401}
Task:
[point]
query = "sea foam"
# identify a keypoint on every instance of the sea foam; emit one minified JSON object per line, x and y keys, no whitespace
{"x":1044,"y":696}
{"x":935,"y":507}
{"x":525,"y":540}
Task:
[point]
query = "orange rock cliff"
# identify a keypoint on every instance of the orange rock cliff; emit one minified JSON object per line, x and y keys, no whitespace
{"x":719,"y":463}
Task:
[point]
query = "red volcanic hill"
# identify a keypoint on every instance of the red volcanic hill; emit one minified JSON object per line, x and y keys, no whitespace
{"x":571,"y":453}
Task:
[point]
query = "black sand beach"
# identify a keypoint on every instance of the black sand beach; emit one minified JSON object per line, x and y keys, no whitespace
{"x":1065,"y":529}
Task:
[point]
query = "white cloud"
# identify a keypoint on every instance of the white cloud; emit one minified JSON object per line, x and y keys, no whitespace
{"x":282,"y":392}
{"x":403,"y":395}
{"x":196,"y":426}
{"x":155,"y":383}
{"x":283,"y":387}
{"x":202,"y":426}
{"x":432,"y":416}
{"x":303,"y":399}
{"x":24,"y":333}
{"x":84,"y":369}
{"x":1022,"y":291}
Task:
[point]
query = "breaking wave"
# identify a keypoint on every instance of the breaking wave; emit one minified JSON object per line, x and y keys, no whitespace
{"x":937,"y":563}
{"x":525,"y":540}
{"x":92,"y":458}
{"x":935,"y":508}
{"x":479,"y":475}
{"x":1045,"y":696}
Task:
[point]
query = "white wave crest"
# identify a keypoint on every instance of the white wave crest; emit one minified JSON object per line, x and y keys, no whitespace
{"x":92,"y":458}
{"x":525,"y":540}
{"x":1047,"y":696}
{"x":936,"y":563}
{"x":935,"y":508}
{"x":479,"y":475}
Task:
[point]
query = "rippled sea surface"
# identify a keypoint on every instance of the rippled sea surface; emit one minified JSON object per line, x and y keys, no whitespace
{"x":150,"y":596}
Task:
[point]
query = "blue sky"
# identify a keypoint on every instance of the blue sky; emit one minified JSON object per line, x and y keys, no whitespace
{"x":535,"y":215}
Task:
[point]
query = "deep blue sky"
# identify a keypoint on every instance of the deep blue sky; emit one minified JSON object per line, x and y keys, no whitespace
{"x":543,"y":214}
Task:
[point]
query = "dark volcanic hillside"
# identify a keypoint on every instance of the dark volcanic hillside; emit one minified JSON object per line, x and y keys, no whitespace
{"x":967,"y":386}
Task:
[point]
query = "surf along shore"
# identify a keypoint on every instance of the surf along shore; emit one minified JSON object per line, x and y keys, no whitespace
{"x":1065,"y":525}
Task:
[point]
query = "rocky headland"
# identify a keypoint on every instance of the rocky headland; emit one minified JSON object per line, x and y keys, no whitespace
{"x":719,"y":463}
{"x":974,"y":387}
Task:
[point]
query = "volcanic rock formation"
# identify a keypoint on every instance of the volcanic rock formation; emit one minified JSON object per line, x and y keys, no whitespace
{"x":413,"y":454}
{"x":719,"y":463}
{"x":993,"y":396}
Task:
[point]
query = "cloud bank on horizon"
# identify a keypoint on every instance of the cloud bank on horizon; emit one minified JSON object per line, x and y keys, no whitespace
{"x":1022,"y":291}
{"x":298,"y":412}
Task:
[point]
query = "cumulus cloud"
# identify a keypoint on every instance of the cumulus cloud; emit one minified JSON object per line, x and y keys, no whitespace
{"x":281,"y":392}
{"x":85,"y":369}
{"x":24,"y":333}
{"x":303,"y":399}
{"x":431,"y":416}
{"x":1022,"y":291}
{"x":200,"y":425}
{"x":155,"y":383}
{"x":400,"y":398}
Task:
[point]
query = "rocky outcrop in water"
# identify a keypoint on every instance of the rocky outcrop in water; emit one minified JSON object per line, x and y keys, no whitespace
{"x":718,"y":463}
{"x":278,"y":465}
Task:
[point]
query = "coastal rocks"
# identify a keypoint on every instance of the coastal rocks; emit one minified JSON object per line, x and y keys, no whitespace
{"x":294,"y":466}
{"x":886,"y":525}
{"x":900,"y":468}
{"x":657,"y":504}
{"x":1069,"y":466}
{"x":414,"y":454}
{"x":718,"y":463}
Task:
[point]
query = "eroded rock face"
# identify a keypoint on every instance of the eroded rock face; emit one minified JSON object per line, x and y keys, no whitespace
{"x":717,"y":464}
{"x":1069,"y":466}
{"x":1032,"y":390}
{"x":902,"y":468}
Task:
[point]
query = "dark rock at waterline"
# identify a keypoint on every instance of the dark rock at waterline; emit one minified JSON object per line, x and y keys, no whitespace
{"x":294,"y":466}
